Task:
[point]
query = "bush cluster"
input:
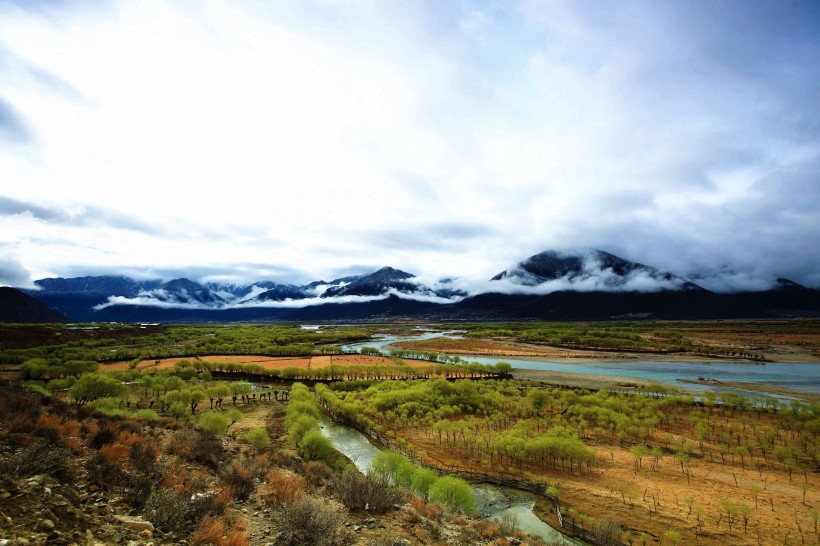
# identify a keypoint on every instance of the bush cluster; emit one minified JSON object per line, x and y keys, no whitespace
{"x":372,"y":492}
{"x":302,"y":423}
{"x":426,"y":483}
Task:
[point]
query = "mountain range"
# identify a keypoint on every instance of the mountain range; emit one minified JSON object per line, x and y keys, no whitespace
{"x":552,"y":285}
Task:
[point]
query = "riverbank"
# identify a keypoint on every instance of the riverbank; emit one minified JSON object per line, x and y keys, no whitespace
{"x":765,"y":388}
{"x":588,"y":381}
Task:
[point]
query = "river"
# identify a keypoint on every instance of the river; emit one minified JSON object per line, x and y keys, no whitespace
{"x":491,"y":501}
{"x":801,"y":376}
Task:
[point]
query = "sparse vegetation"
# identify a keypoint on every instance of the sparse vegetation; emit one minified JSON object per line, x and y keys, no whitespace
{"x":181,"y":442}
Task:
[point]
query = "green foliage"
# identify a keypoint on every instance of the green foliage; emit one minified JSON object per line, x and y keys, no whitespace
{"x":258,"y":438}
{"x":147,"y":415}
{"x":92,"y":386}
{"x":453,"y":492}
{"x":314,"y":446}
{"x":214,"y":421}
{"x":423,"y":479}
{"x":301,"y":426}
{"x":34,"y":368}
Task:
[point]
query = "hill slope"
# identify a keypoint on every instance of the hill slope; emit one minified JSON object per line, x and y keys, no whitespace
{"x":16,"y":306}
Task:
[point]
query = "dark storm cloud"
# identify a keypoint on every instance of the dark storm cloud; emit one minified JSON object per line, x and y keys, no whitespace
{"x":12,"y":273}
{"x":90,"y":216}
{"x":13,"y":127}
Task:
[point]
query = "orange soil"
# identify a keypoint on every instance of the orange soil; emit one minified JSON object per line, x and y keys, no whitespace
{"x":599,"y":494}
{"x":271,"y":362}
{"x":492,"y":348}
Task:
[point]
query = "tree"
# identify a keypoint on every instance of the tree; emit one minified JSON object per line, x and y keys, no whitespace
{"x":92,"y":386}
{"x":731,"y":511}
{"x":639,"y":452}
{"x":234,"y":415}
{"x":196,"y":396}
{"x":745,"y":513}
{"x":453,"y":492}
{"x":755,"y":489}
{"x":315,"y":446}
{"x":79,"y":367}
{"x":215,"y":422}
{"x":423,"y":479}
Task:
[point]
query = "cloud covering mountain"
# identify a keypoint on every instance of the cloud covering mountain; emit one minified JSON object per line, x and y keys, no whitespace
{"x":580,"y":271}
{"x":275,"y":140}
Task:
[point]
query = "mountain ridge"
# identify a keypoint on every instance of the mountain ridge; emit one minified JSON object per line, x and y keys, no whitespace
{"x":553,"y":285}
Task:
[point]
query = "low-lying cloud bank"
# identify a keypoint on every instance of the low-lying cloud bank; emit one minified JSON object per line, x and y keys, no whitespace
{"x":243,"y":303}
{"x":429,"y":291}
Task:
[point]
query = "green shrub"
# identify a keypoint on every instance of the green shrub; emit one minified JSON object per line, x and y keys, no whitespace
{"x":93,"y":386}
{"x":315,"y":446}
{"x":423,"y":479}
{"x":300,"y":426}
{"x":257,"y":437}
{"x":147,"y":415}
{"x":214,"y":421}
{"x":453,"y":492}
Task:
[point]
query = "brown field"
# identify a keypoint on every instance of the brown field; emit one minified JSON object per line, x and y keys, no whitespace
{"x":777,"y":347}
{"x":468,"y":346}
{"x":654,"y":502}
{"x":270,"y":362}
{"x":773,"y":346}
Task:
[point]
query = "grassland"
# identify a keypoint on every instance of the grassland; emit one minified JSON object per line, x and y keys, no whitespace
{"x":647,"y":467}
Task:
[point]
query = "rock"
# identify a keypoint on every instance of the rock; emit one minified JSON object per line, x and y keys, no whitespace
{"x":133,"y":543}
{"x":401,"y":542}
{"x":135,"y":523}
{"x":47,"y":525}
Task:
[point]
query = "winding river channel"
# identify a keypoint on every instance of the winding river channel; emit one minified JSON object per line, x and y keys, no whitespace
{"x":800,"y":376}
{"x":491,"y":501}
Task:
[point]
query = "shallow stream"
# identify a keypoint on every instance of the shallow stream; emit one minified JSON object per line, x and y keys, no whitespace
{"x":491,"y":501}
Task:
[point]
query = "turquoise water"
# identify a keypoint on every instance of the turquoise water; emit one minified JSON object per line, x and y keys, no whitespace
{"x":800,"y":376}
{"x":490,"y":500}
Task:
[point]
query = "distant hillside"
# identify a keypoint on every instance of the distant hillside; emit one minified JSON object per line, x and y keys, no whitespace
{"x":552,"y":285}
{"x":374,"y":284}
{"x":16,"y":306}
{"x":605,"y":270}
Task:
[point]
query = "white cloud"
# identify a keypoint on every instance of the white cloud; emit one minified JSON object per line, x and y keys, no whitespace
{"x":296,"y":134}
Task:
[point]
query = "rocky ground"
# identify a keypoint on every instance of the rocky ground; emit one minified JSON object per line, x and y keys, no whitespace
{"x":72,"y":476}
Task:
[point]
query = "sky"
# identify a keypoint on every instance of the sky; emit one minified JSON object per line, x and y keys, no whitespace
{"x":305,"y":140}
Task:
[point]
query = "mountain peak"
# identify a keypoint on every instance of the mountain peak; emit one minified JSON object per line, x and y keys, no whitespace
{"x":388,"y":273}
{"x":186,"y":291}
{"x":374,"y":284}
{"x":592,"y":269}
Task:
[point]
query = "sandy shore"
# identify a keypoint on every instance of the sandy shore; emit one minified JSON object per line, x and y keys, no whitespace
{"x":806,"y":396}
{"x":593,"y":381}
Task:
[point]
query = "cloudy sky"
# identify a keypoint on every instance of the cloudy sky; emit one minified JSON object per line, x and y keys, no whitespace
{"x":300,"y":140}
